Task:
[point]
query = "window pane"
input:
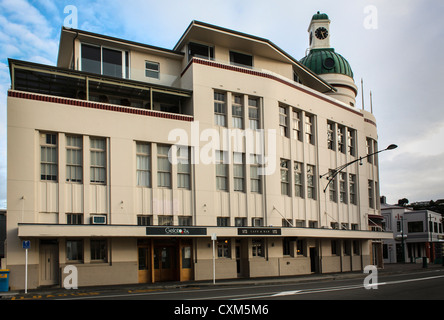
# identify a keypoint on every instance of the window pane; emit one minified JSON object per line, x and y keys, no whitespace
{"x":112,"y":62}
{"x":91,"y":59}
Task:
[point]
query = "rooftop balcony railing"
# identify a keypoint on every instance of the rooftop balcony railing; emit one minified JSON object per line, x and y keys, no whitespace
{"x":59,"y":82}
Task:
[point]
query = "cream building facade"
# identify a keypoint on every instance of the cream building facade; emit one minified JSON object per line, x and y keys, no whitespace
{"x":124,"y":160}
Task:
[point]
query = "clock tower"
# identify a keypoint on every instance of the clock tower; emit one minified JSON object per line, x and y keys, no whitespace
{"x":329,"y":65}
{"x":319,"y":31}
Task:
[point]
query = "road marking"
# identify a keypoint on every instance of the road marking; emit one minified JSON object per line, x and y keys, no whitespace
{"x":286,"y":293}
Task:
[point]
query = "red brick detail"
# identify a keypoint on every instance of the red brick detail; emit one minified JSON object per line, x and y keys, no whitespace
{"x":95,"y":105}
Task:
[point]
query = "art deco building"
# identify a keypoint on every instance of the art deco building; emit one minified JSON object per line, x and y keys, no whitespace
{"x":125,"y":159}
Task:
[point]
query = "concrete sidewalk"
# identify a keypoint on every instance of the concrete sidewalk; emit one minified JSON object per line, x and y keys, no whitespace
{"x":42,"y":293}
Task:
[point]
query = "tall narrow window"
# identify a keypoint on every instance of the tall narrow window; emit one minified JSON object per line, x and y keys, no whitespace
{"x":341,"y":140}
{"x":283,"y":126}
{"x":220,"y":109}
{"x":285,"y":177}
{"x":309,"y":128}
{"x":296,"y":117}
{"x":163,"y":166}
{"x":311,"y":186}
{"x":183,"y":167}
{"x":343,"y":187}
{"x":98,"y":249}
{"x":298,"y":179}
{"x":351,"y":141}
{"x":48,"y":157}
{"x":369,"y":142}
{"x":143,"y":164}
{"x":332,"y":188}
{"x":98,"y":160}
{"x":253,"y":113}
{"x":238,"y":172}
{"x":255,"y":178}
{"x":352,"y":188}
{"x":112,"y":63}
{"x":330,"y":136}
{"x":221,"y":171}
{"x":237,"y":112}
{"x":74,"y":158}
{"x":371,"y":194}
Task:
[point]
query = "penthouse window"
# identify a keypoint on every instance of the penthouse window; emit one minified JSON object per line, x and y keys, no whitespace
{"x":106,"y":61}
{"x":48,"y":154}
{"x":197,"y":50}
{"x":241,"y":59}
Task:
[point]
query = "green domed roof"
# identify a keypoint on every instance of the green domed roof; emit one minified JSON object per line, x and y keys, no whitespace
{"x":320,"y":16}
{"x":322,"y":61}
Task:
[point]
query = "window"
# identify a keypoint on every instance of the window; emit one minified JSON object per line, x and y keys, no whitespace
{"x":165,"y":220}
{"x":185,"y":221}
{"x":298,"y":179}
{"x":223,"y":222}
{"x":369,"y":143}
{"x":356,"y":247}
{"x":106,"y":61}
{"x":220,"y":110}
{"x":196,"y":50}
{"x":253,"y":113}
{"x":342,"y":187}
{"x":223,"y":248}
{"x":309,"y":131}
{"x":221,"y":171}
{"x":98,"y":160}
{"x":238,"y":172}
{"x":255,"y":178}
{"x":143,"y":155}
{"x":74,"y":218}
{"x":332,"y":187}
{"x":285,"y":178}
{"x":237,"y":112}
{"x":300,"y":247}
{"x":330,"y":136}
{"x":415,"y":226}
{"x":240,"y":59}
{"x":257,"y":247}
{"x":48,"y":157}
{"x":144,"y":220}
{"x":240,"y":222}
{"x":152,"y":69}
{"x":257,"y":222}
{"x":98,"y":250}
{"x":74,"y":250}
{"x":341,"y":141}
{"x":296,"y":117}
{"x":311,"y":187}
{"x":163,"y":167}
{"x":351,"y":141}
{"x":287,"y":243}
{"x":371,"y":194}
{"x":74,"y":159}
{"x":183,"y":167}
{"x":312,"y":224}
{"x":287,"y":223}
{"x":335,"y":248}
{"x":283,"y":121}
{"x":352,"y":188}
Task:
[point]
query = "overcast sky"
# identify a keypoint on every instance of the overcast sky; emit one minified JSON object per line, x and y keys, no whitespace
{"x":394,"y":45}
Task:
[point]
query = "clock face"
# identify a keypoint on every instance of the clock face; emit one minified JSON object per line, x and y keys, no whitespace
{"x":321,"y":33}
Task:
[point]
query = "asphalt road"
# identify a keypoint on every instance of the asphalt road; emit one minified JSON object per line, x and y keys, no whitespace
{"x":413,"y":286}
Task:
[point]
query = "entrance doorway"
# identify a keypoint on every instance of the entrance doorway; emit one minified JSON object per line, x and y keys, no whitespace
{"x":165,"y":260}
{"x":49,"y":262}
{"x":314,"y":260}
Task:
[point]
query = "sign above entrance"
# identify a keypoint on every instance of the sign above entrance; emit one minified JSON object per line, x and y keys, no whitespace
{"x":258,"y":231}
{"x":176,"y":231}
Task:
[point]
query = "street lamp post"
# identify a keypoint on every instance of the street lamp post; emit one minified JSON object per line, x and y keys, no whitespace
{"x":333,"y":173}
